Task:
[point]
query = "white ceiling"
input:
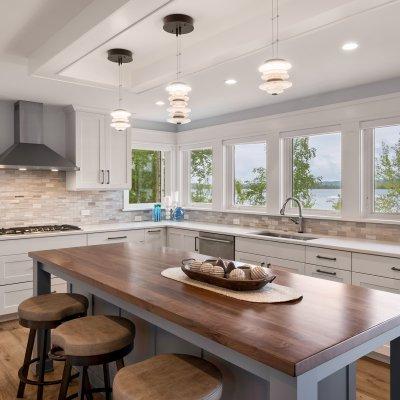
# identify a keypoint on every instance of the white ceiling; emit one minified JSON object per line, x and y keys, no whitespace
{"x":55,"y":51}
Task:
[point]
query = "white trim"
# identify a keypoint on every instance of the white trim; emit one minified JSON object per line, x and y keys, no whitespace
{"x":378,"y":123}
{"x":321,"y":130}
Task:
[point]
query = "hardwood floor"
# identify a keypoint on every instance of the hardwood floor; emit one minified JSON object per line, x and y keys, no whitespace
{"x":372,"y":376}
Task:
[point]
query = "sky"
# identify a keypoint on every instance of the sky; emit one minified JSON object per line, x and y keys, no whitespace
{"x":247,"y":157}
{"x":389,"y":134}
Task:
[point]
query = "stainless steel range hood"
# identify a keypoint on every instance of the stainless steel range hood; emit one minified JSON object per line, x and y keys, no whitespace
{"x":28,"y":151}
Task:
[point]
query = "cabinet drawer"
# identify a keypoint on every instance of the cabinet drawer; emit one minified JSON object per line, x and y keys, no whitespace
{"x":249,"y":258}
{"x":287,"y":251}
{"x":12,"y":295}
{"x":329,"y":258}
{"x":328,"y":273}
{"x":15,"y":269}
{"x":376,"y":265}
{"x":19,"y":246}
{"x":286,"y":265}
{"x":376,"y":282}
{"x":134,"y":236}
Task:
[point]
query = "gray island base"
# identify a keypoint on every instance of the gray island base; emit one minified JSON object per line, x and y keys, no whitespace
{"x":244,"y":376}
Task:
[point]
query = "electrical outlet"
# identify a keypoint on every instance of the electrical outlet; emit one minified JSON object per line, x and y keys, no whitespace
{"x":236,"y":221}
{"x":186,"y":216}
{"x":85,"y":213}
{"x":138,"y":218}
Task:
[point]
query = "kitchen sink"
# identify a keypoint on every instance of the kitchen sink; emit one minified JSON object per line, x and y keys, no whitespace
{"x":298,"y":236}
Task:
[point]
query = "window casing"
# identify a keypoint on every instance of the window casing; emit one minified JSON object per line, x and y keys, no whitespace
{"x":381,"y":170}
{"x":246,"y":175}
{"x":312,"y":171}
{"x":151,"y":177}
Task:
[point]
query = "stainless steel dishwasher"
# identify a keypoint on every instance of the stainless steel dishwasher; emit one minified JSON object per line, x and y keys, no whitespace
{"x":216,"y":245}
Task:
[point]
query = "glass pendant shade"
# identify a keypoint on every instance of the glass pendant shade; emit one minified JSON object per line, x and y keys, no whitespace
{"x":178,"y":100}
{"x":275,"y":76}
{"x":120,"y":119}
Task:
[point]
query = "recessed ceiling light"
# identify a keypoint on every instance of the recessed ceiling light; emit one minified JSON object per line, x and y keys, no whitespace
{"x":350,"y":46}
{"x":159,"y":103}
{"x":231,"y":82}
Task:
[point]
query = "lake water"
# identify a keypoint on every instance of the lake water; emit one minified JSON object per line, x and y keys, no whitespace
{"x":324,"y":198}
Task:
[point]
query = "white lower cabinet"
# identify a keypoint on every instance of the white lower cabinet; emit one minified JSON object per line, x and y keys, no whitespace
{"x":132,"y":236}
{"x":376,"y":282}
{"x":287,"y":265}
{"x":182,"y":239}
{"x":328,"y":273}
{"x":155,"y":237}
{"x":15,"y":268}
{"x":249,"y":258}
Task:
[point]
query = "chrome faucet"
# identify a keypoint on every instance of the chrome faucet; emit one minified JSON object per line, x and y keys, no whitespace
{"x":297,"y":220}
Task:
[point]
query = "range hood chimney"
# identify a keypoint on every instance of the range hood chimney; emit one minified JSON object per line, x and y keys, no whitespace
{"x":28,"y":151}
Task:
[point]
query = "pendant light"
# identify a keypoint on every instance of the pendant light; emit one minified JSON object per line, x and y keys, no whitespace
{"x":120,"y":117}
{"x":178,"y":24}
{"x":275,"y":70}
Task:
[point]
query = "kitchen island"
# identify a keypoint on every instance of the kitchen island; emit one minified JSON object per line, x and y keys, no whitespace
{"x":303,"y":350}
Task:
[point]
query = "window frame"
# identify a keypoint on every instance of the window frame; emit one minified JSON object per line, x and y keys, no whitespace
{"x":368,"y":173}
{"x":167,"y":174}
{"x":229,"y":148}
{"x":185,"y":169}
{"x":287,"y":168}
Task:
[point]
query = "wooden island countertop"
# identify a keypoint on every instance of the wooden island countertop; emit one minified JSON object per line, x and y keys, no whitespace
{"x":331,"y":319}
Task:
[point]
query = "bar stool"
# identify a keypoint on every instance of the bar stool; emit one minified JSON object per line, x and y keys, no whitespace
{"x":88,"y":341}
{"x":41,"y":314}
{"x":169,"y":377}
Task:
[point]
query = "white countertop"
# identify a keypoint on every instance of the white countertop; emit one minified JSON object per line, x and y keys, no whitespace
{"x":390,"y":249}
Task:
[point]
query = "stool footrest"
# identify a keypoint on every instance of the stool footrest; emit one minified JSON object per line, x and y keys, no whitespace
{"x":34,"y":382}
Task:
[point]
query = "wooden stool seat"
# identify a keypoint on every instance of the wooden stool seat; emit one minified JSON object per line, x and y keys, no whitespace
{"x":93,"y":335}
{"x":88,"y":341}
{"x":169,"y":377}
{"x":52,"y":307}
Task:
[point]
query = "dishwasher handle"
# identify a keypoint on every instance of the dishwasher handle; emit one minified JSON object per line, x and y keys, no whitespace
{"x":215,"y":240}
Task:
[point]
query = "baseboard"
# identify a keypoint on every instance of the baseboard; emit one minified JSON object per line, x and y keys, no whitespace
{"x":8,"y":317}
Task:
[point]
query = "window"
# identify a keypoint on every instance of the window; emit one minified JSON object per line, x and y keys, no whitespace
{"x":200,"y":179}
{"x":315,"y":171}
{"x":249,"y":174}
{"x":383,"y":148}
{"x":150,"y":178}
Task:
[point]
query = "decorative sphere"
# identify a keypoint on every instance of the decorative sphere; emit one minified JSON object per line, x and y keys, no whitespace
{"x":237,"y":275}
{"x":258,"y":272}
{"x":206,"y":268}
{"x":195,"y":266}
{"x":218,"y":271}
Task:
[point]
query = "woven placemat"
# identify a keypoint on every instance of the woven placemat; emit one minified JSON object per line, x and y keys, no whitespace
{"x":271,"y":293}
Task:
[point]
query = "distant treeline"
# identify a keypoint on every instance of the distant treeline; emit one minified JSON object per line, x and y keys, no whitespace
{"x":328,"y":185}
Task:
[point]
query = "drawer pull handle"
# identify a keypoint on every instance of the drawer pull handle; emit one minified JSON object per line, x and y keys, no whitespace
{"x":117,"y":237}
{"x":326,"y":272}
{"x":326,"y":258}
{"x":396,"y":269}
{"x":154,"y":231}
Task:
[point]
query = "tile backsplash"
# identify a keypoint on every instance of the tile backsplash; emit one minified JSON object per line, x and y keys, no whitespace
{"x":40,"y":197}
{"x":362,"y":230}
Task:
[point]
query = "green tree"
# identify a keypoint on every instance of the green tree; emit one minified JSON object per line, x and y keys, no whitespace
{"x":303,"y":179}
{"x":252,"y":192}
{"x":201,"y":175}
{"x":146,"y":173}
{"x":387,"y":176}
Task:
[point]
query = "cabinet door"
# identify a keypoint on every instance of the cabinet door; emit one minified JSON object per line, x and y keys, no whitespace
{"x":119,"y":159}
{"x":249,"y":258}
{"x":182,"y":239}
{"x":155,"y":237}
{"x":90,"y":151}
{"x":12,"y":295}
{"x":286,"y":265}
{"x":328,"y":273}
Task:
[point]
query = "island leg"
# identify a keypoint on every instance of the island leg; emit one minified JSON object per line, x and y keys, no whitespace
{"x":291,"y":388}
{"x":395,"y":369}
{"x":42,"y":285}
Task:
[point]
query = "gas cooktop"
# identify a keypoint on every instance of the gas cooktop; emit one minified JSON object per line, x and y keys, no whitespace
{"x":38,"y":229}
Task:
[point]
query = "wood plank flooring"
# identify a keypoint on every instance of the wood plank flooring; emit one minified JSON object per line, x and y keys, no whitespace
{"x":372,"y":376}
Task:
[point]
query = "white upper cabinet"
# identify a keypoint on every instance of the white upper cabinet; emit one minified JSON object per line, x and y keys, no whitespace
{"x":101,"y":153}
